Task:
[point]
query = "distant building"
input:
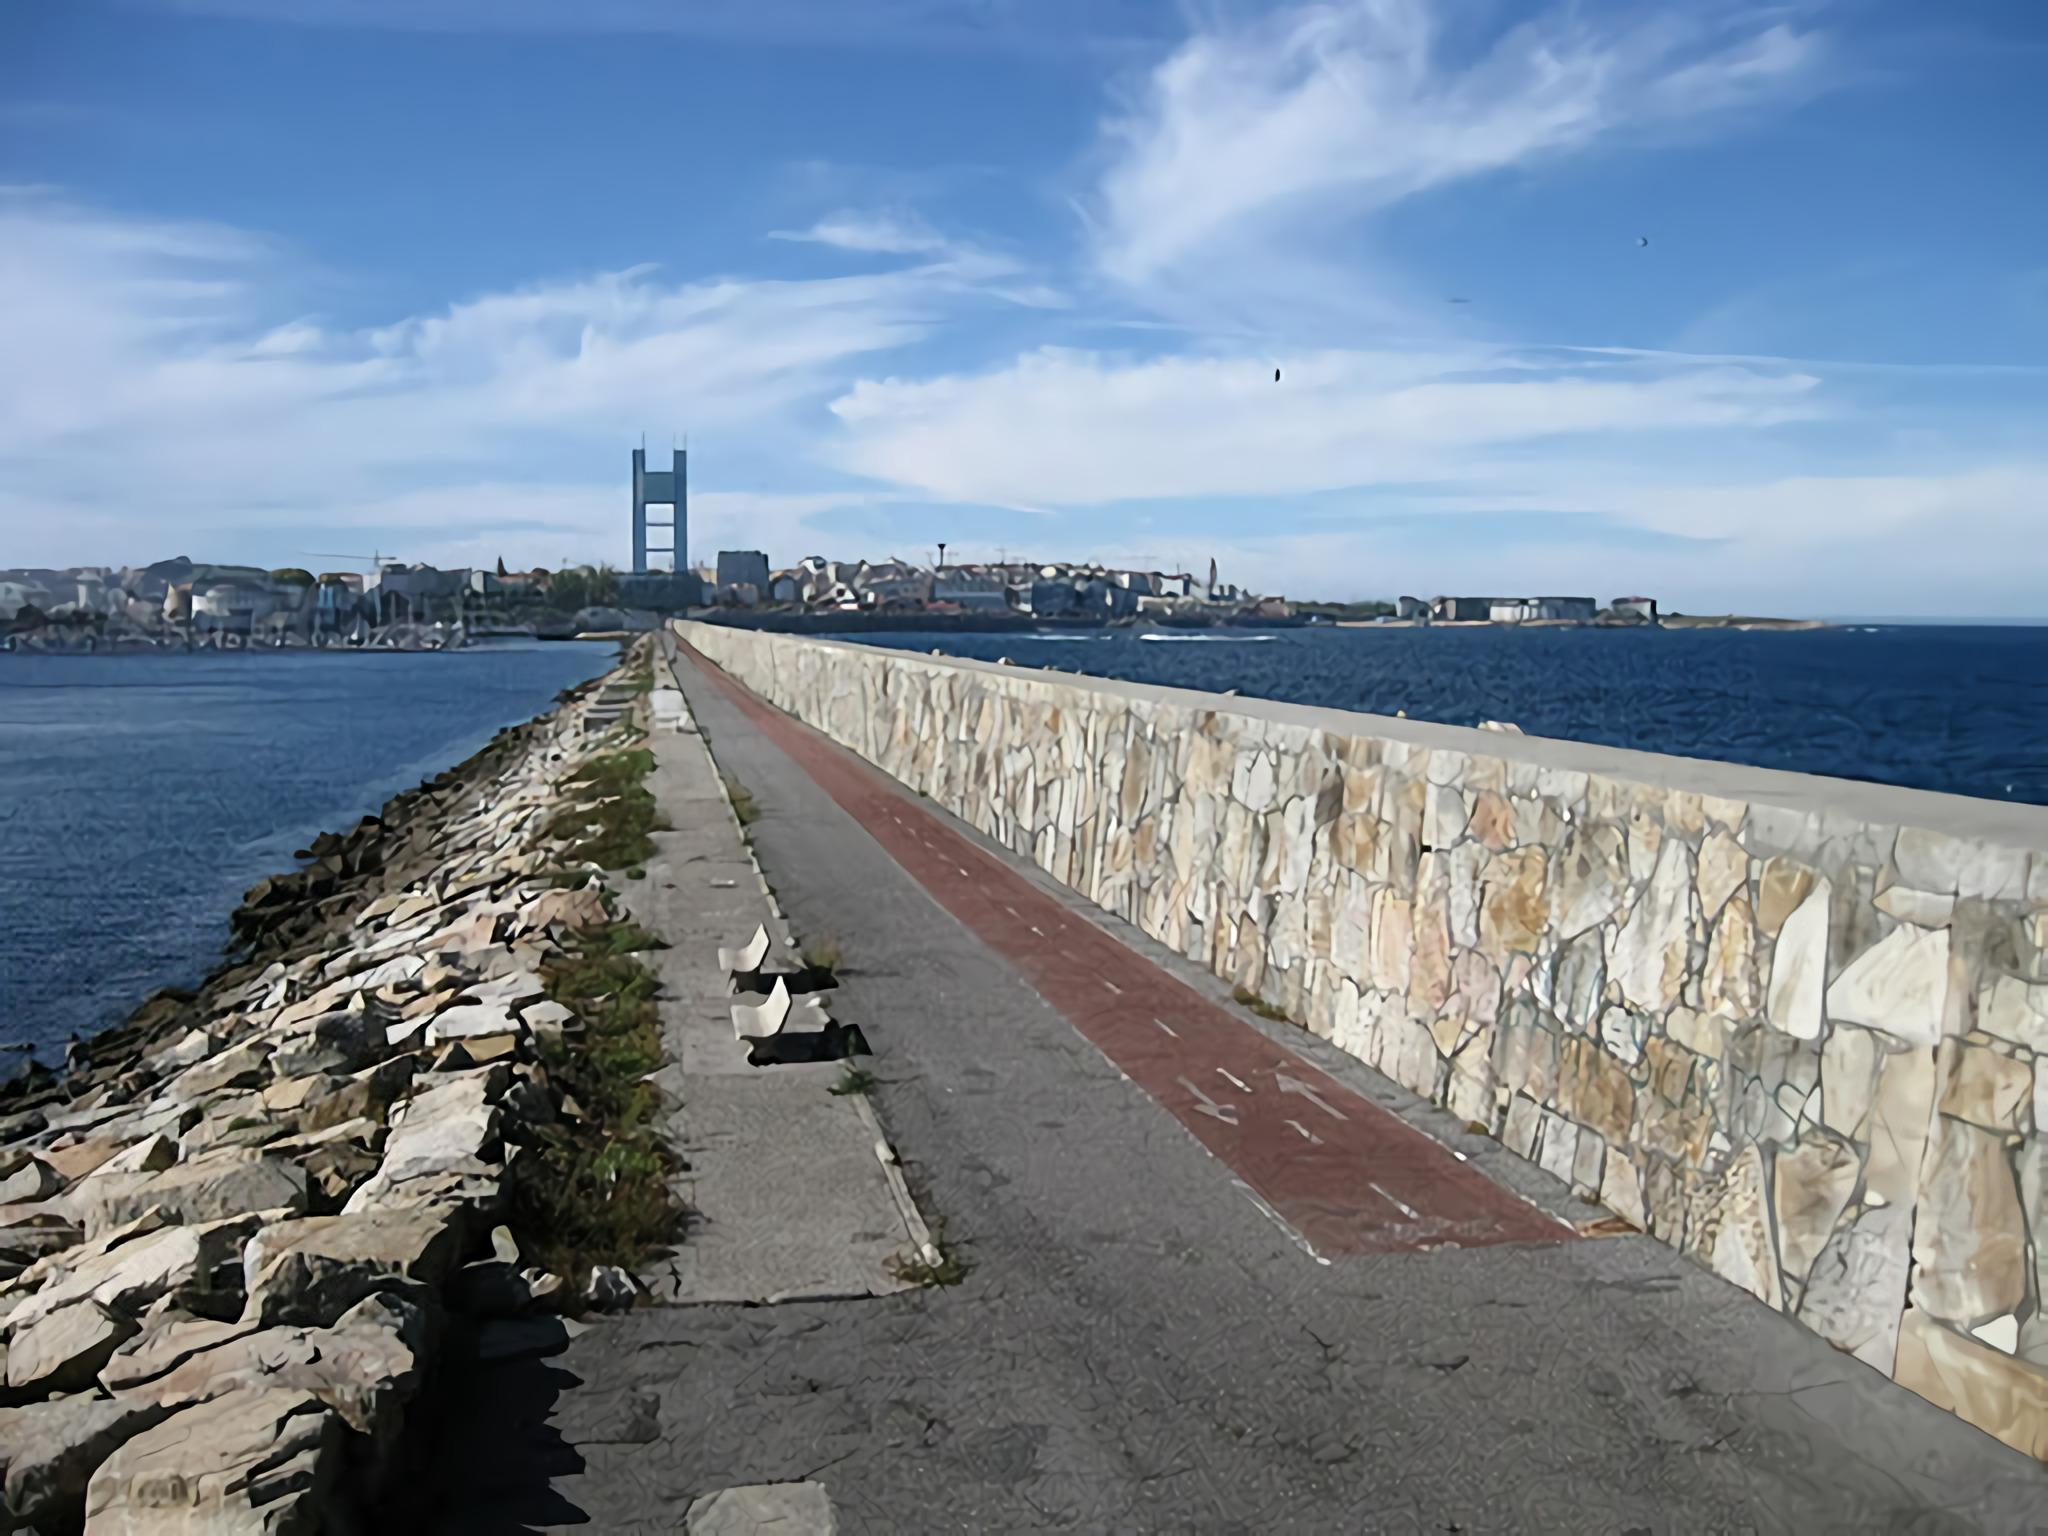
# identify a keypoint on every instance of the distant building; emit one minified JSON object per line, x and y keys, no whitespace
{"x":1052,"y":599}
{"x":1410,"y":608}
{"x":1462,"y":610}
{"x":660,"y":591}
{"x":973,"y":591}
{"x":1519,"y":610}
{"x":743,"y":567}
{"x":1636,"y":607}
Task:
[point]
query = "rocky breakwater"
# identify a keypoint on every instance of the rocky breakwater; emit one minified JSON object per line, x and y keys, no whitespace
{"x":231,"y":1235}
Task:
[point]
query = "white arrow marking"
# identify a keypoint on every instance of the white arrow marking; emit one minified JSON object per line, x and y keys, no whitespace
{"x":1236,"y":1082}
{"x":1227,"y":1113}
{"x":1307,"y":1135}
{"x":1288,"y":1084}
{"x":1406,"y":1210}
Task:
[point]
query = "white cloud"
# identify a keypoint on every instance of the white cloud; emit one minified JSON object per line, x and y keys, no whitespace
{"x":156,"y":367}
{"x":1247,"y":135}
{"x":1072,"y":428}
{"x":885,"y":233}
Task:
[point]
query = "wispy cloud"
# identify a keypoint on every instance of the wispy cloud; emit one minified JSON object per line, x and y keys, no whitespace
{"x":1076,"y":428}
{"x":905,"y":234}
{"x":1247,"y":136}
{"x":889,"y":234}
{"x":165,"y":355}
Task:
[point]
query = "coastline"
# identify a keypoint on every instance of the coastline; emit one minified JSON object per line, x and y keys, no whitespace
{"x":146,"y":793}
{"x":234,"y":1230}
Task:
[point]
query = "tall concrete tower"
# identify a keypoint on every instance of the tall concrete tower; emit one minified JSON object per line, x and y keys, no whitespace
{"x":661,"y":488}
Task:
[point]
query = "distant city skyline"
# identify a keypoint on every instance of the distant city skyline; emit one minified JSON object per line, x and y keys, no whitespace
{"x":1352,"y":297}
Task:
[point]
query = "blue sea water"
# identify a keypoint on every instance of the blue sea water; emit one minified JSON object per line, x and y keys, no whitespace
{"x":1954,"y":708}
{"x":140,"y":795}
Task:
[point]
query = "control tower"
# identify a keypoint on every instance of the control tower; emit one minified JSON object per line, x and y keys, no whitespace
{"x":661,"y":488}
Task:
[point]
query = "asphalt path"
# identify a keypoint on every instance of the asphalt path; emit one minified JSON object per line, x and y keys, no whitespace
{"x":1143,"y":1341}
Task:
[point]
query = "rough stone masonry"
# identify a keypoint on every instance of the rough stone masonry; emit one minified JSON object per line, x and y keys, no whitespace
{"x":1790,"y":1026}
{"x":229,"y":1241}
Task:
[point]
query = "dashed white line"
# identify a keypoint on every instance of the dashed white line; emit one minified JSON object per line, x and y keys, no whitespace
{"x":1406,"y":1210}
{"x":1038,"y":930}
{"x":1236,"y":1082}
{"x":1167,"y":1027}
{"x":1306,"y":1134}
{"x":1119,"y":991}
{"x":963,"y":873}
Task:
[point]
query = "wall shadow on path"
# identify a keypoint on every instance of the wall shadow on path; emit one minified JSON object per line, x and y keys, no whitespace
{"x":495,"y":1450}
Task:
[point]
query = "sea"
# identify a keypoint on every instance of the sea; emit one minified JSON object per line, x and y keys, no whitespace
{"x":142,"y":794}
{"x":1957,"y":708}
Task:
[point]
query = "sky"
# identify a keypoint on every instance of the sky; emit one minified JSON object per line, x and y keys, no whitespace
{"x":1742,"y":306}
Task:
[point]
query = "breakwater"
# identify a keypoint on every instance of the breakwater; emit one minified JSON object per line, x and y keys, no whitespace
{"x":232,"y":1235}
{"x":1789,"y":1025}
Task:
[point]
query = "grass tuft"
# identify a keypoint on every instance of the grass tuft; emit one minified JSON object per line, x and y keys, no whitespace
{"x":822,"y":956}
{"x":949,"y":1269}
{"x":854,"y":1080}
{"x":1244,"y":997}
{"x":596,"y":1190}
{"x":611,"y":830}
{"x":743,"y":806}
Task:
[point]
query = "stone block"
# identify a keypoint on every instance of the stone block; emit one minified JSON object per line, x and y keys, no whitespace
{"x":2002,"y":1396}
{"x":1983,"y":1086}
{"x":1649,"y":955}
{"x":1812,"y":1185}
{"x":64,"y":1350}
{"x":49,"y":1452}
{"x":1970,"y":1238}
{"x":310,"y":1271}
{"x":251,"y":1461}
{"x":1899,"y":986}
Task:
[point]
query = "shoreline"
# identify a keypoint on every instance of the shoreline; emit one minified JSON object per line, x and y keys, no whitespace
{"x":234,"y":1229}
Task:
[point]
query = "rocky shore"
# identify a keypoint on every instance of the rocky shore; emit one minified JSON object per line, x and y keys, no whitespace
{"x":233,"y":1233}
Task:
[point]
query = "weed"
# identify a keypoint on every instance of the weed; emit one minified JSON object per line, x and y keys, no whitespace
{"x":855,"y":1080}
{"x":636,"y":873}
{"x":611,"y":830}
{"x":1244,"y":997}
{"x":947,"y":1268}
{"x":595,"y":1190}
{"x":743,"y":806}
{"x":821,"y":957}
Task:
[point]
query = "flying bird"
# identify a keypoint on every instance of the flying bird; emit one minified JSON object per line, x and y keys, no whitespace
{"x":1458,"y":301}
{"x":1276,"y":375}
{"x":1642,"y":240}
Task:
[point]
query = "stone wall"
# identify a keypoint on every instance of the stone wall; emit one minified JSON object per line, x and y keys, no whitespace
{"x":1786,"y":1024}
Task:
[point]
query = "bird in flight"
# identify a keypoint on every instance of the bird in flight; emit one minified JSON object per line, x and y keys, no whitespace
{"x":1276,"y":375}
{"x":1460,"y":301}
{"x":1642,"y":240}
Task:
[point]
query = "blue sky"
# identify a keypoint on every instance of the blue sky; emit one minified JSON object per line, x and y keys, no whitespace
{"x":280,"y":276}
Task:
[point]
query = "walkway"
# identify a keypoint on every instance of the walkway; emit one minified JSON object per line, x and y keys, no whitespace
{"x":1139,"y":1346}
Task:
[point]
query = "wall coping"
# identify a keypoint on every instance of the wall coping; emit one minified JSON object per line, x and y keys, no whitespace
{"x":1962,"y":816}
